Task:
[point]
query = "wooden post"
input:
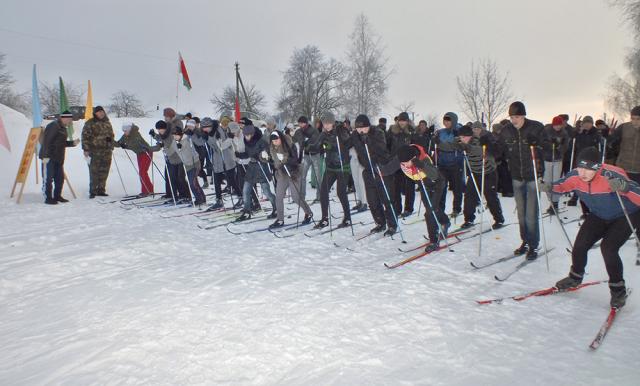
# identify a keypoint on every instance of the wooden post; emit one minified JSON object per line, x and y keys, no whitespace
{"x":66,"y":179}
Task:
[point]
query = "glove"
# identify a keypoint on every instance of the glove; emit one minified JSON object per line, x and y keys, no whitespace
{"x":152,"y":133}
{"x":484,"y":140}
{"x":545,"y":187}
{"x":45,"y":161}
{"x":557,"y":140}
{"x":189,"y":132}
{"x":107,"y":139}
{"x":280,"y":156}
{"x":618,"y":184}
{"x":236,"y":154}
{"x":264,"y":154}
{"x":179,"y":145}
{"x":436,"y":139}
{"x":123,"y":145}
{"x":161,"y":144}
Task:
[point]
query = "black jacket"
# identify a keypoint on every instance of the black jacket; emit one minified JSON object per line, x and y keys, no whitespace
{"x":380,"y":156}
{"x":54,"y":142}
{"x":328,"y":141}
{"x":585,"y":139}
{"x":517,"y":143}
{"x":554,"y":144}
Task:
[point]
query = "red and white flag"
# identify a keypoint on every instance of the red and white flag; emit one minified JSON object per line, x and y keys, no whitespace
{"x":4,"y":140}
{"x":183,"y":71}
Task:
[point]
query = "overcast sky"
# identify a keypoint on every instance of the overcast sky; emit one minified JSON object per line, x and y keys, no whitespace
{"x":559,"y":53}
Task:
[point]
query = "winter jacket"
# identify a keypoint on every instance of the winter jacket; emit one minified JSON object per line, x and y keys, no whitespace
{"x":187,"y":153}
{"x":448,"y":158}
{"x":554,"y":144}
{"x":54,"y":142}
{"x":597,"y":194}
{"x":626,"y":139}
{"x":517,"y":143}
{"x":397,"y":137}
{"x":172,"y":124}
{"x":257,"y":168}
{"x":474,"y":151}
{"x":133,"y":141}
{"x":221,"y":148}
{"x":199,"y":137}
{"x":305,"y":137}
{"x":328,"y":141}
{"x":422,"y":169}
{"x":97,"y":135}
{"x":380,"y":156}
{"x":585,"y":139}
{"x":168,"y":145}
{"x":424,"y":140}
{"x":289,"y":157}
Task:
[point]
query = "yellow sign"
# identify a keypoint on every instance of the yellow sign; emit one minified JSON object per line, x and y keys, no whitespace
{"x":25,"y":163}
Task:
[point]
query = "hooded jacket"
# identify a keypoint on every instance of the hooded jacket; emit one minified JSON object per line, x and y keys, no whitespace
{"x":257,"y":169}
{"x":168,"y":144}
{"x":221,"y":148}
{"x":287,"y":151}
{"x":449,"y":158}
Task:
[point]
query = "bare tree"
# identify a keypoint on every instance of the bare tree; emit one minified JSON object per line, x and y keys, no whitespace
{"x":8,"y":96}
{"x":406,"y":106}
{"x":311,"y":85}
{"x":367,"y":70}
{"x":50,"y":96}
{"x":624,"y":91}
{"x":432,"y":120}
{"x":484,"y":90}
{"x":225,"y":102}
{"x":126,"y":104}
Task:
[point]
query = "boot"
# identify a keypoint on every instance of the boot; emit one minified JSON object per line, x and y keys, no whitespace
{"x":346,"y":222}
{"x":244,"y":216}
{"x":432,"y":247}
{"x":61,"y":199}
{"x":239,"y":204}
{"x":455,"y":214}
{"x":218,"y":205}
{"x":363,"y":208}
{"x":321,"y":224}
{"x":102,"y":194}
{"x":277,"y":224}
{"x":571,"y":281}
{"x":553,"y":209}
{"x":573,"y":201}
{"x":307,"y":219}
{"x":390,"y":231}
{"x":497,"y":225}
{"x":522,"y":249}
{"x":357,"y":207}
{"x":273,"y":214}
{"x":618,"y":294}
{"x":467,"y":225}
{"x":50,"y":201}
{"x":205,"y":184}
{"x":378,"y":228}
{"x":532,"y":254}
{"x":406,"y":213}
{"x":94,"y":196}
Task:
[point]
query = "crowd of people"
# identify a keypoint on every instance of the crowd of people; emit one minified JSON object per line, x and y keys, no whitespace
{"x":384,"y":167}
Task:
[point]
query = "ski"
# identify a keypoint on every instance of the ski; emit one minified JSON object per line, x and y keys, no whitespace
{"x":606,"y":326}
{"x":234,"y":221}
{"x":494,"y":262}
{"x":542,"y":292}
{"x":283,"y":232}
{"x":484,"y":231}
{"x":418,"y":256}
{"x":520,"y":266}
{"x":424,"y":245}
{"x":323,"y":231}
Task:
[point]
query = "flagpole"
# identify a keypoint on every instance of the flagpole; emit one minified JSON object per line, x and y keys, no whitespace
{"x":178,"y":79}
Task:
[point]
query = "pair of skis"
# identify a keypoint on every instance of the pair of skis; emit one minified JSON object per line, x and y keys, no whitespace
{"x":602,"y":332}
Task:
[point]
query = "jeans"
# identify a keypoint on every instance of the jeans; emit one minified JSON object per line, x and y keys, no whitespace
{"x":310,"y":161}
{"x":524,"y":193}
{"x":53,"y":174}
{"x":247,"y":191}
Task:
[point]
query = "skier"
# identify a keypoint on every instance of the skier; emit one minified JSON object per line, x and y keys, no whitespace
{"x":198,"y":139}
{"x":287,"y":173}
{"x":519,"y":137}
{"x":52,"y":154}
{"x":220,"y":148}
{"x":358,"y":181}
{"x":505,"y":182}
{"x":255,"y":150}
{"x":132,"y":140}
{"x":472,"y":140}
{"x":598,"y":186}
{"x":450,"y":163}
{"x":417,"y":165}
{"x":555,"y":142}
{"x":398,"y":136}
{"x":586,"y":136}
{"x":336,"y":167}
{"x":626,"y":138}
{"x":174,"y":173}
{"x":97,"y":143}
{"x":191,"y":165}
{"x":172,"y":119}
{"x":372,"y":152}
{"x":310,"y":158}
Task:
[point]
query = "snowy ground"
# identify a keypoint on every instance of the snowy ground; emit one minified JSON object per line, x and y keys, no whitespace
{"x":91,"y":293}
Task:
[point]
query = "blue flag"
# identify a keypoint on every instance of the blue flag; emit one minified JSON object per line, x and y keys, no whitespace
{"x":35,"y":100}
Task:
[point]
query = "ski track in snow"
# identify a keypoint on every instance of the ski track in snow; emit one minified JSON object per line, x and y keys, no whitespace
{"x":93,"y":294}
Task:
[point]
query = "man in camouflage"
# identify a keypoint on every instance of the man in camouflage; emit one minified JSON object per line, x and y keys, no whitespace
{"x":97,"y":143}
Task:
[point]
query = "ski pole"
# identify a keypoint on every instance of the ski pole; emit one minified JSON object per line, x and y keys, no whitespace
{"x":484,"y":155}
{"x":433,"y":213}
{"x":535,"y":178}
{"x":186,"y":175}
{"x":343,"y":178}
{"x":153,"y":174}
{"x":115,"y":161}
{"x":137,"y":172}
{"x":633,"y":230}
{"x":154,"y":165}
{"x":604,"y":150}
{"x":573,"y":150}
{"x":393,"y":211}
{"x":326,"y":182}
{"x":224,"y":168}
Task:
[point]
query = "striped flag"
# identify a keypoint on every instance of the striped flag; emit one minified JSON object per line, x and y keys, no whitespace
{"x":4,"y":140}
{"x":183,"y":70}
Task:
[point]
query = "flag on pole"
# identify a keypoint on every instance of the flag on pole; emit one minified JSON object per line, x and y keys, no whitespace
{"x":64,"y":105}
{"x":237,"y":110}
{"x":183,"y":70}
{"x":88,"y":110}
{"x":35,"y":100}
{"x":4,"y":140}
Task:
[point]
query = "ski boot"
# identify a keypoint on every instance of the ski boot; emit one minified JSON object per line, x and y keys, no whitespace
{"x":571,"y":281}
{"x":218,"y":205}
{"x":277,"y":224}
{"x":467,"y":225}
{"x":532,"y":254}
{"x":618,"y":294}
{"x":522,"y":249}
{"x":244,"y":216}
{"x":390,"y":231}
{"x":406,"y":213}
{"x":273,"y":214}
{"x":497,"y":225}
{"x":378,"y":228}
{"x":239,"y":204}
{"x":573,"y":201}
{"x":307,"y":219}
{"x":61,"y":199}
{"x":432,"y":247}
{"x":357,"y":207}
{"x":321,"y":224}
{"x":346,"y":222}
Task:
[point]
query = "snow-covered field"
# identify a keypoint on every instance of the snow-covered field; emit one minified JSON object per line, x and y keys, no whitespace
{"x":92,"y":293}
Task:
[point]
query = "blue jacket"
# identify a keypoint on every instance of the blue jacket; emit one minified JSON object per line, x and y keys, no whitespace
{"x":449,"y":158}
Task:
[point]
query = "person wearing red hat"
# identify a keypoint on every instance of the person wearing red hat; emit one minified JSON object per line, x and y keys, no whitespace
{"x":555,"y":141}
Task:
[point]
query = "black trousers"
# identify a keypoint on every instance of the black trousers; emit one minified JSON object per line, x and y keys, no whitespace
{"x":53,"y":174}
{"x":178,"y":182}
{"x":614,"y":233}
{"x":505,"y":183}
{"x":453,"y":177}
{"x":471,"y":200}
{"x":376,"y":198}
{"x":430,"y":214}
{"x":330,"y":177}
{"x":230,"y":176}
{"x":206,"y":167}
{"x":403,"y":185}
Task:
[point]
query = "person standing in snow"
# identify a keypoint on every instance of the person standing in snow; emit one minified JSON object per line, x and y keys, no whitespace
{"x":172,"y":119}
{"x":174,"y":172}
{"x":599,"y":186}
{"x":334,"y":141}
{"x":221,"y":150}
{"x":450,"y":163}
{"x":417,"y":165}
{"x":626,"y":138}
{"x":398,"y":136}
{"x":519,"y":137}
{"x":132,"y":140}
{"x":191,"y":165}
{"x":586,"y":136}
{"x":379,"y":166}
{"x":287,"y":173}
{"x":555,"y":142}
{"x":505,"y":182}
{"x":310,"y":158}
{"x":198,"y":139}
{"x":97,"y":143}
{"x":52,"y":154}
